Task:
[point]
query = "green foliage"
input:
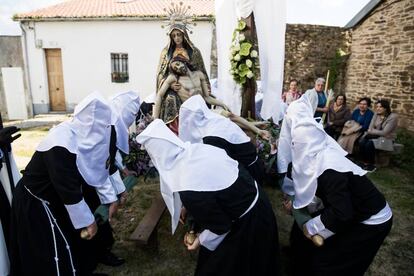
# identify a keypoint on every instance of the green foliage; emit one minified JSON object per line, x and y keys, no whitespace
{"x":243,"y":56}
{"x":335,"y":66}
{"x":245,"y":49}
{"x":241,"y":25}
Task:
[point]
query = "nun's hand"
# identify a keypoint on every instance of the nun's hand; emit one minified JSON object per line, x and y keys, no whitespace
{"x":305,"y":232}
{"x":194,"y":246}
{"x":113,"y":208}
{"x":287,"y":205}
{"x":90,"y":231}
{"x":123,"y":198}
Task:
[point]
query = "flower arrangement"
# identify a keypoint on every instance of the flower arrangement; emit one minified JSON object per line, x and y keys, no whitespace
{"x":266,"y":150}
{"x":138,"y":159}
{"x":243,"y":56}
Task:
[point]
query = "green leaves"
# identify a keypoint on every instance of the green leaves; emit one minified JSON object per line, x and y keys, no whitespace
{"x":243,"y":57}
{"x":241,"y":25}
{"x":245,"y":49}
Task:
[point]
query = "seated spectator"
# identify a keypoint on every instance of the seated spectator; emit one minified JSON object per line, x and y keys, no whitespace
{"x":363,"y":115}
{"x":293,"y":93}
{"x":380,"y":135}
{"x":338,"y":114}
{"x":350,"y":133}
{"x":354,"y":128}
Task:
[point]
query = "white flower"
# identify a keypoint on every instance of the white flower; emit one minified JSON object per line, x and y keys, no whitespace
{"x":253,"y":53}
{"x":237,"y":47}
{"x":232,"y":72}
{"x":250,"y":74}
{"x":237,"y":57}
{"x":249,"y":63}
{"x":242,"y":37}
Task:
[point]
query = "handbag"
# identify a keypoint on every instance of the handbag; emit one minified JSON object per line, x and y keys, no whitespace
{"x":383,"y":143}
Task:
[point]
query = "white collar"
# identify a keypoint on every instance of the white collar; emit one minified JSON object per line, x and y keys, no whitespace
{"x":125,"y":106}
{"x":197,"y":121}
{"x":87,"y":135}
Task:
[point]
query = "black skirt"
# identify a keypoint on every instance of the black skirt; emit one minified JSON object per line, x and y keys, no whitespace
{"x":347,"y":253}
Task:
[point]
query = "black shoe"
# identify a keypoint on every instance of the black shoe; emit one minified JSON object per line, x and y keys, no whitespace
{"x":370,"y":168}
{"x":111,"y":259}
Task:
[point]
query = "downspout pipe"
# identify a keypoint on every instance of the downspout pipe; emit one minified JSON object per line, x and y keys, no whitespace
{"x":29,"y":96}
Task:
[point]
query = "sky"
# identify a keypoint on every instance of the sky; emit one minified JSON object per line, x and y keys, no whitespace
{"x":319,"y":12}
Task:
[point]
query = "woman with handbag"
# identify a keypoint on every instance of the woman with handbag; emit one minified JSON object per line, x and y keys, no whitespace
{"x":380,"y":135}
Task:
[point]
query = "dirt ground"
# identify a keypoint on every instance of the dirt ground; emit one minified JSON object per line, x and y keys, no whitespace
{"x":396,"y":256}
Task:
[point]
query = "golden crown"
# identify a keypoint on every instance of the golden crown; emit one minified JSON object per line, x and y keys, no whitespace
{"x":179,"y":17}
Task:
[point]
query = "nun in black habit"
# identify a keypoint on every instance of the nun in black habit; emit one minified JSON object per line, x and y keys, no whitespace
{"x":239,"y":232}
{"x":354,"y":218}
{"x":9,"y":176}
{"x":124,"y":106}
{"x":198,"y":124}
{"x":53,"y":201}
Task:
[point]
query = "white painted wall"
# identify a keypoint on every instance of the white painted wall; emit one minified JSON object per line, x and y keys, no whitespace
{"x":86,"y":60}
{"x":14,"y":92}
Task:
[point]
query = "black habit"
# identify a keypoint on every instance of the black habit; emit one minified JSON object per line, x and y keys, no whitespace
{"x":251,"y":247}
{"x":244,"y":153}
{"x":348,"y":201}
{"x":52,"y":176}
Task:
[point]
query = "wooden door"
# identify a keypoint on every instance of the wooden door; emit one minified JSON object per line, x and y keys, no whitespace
{"x":55,"y":79}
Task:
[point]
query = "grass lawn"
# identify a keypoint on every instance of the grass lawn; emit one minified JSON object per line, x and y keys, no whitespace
{"x":396,"y":256}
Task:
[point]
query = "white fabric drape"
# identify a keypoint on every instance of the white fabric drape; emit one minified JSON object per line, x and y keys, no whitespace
{"x":4,"y":257}
{"x":87,"y":135}
{"x":270,"y":20}
{"x":4,"y":179}
{"x":125,"y":107}
{"x":226,"y":20}
{"x":197,"y":122}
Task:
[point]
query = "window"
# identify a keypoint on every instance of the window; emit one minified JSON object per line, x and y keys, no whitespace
{"x":119,"y":67}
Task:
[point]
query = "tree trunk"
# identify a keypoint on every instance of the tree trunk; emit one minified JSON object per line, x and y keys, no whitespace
{"x":248,"y":108}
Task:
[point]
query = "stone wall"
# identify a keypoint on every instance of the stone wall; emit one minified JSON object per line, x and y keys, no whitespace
{"x":381,"y":64}
{"x":10,"y":56}
{"x":310,"y":51}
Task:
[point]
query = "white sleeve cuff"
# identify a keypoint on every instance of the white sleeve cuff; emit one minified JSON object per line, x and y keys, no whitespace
{"x":106,"y":192}
{"x":288,"y":187}
{"x":80,"y":214}
{"x":315,"y":226}
{"x":210,"y":240}
{"x":117,"y":182}
{"x":118,"y":160}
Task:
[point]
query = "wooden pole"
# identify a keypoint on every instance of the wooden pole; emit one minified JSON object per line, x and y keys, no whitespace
{"x":327,"y":97}
{"x":249,"y":89}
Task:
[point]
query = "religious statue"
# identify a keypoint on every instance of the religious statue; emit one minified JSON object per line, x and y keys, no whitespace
{"x":179,"y":44}
{"x":192,"y":82}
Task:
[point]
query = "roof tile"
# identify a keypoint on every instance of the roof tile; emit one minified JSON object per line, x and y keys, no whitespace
{"x":115,"y":8}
